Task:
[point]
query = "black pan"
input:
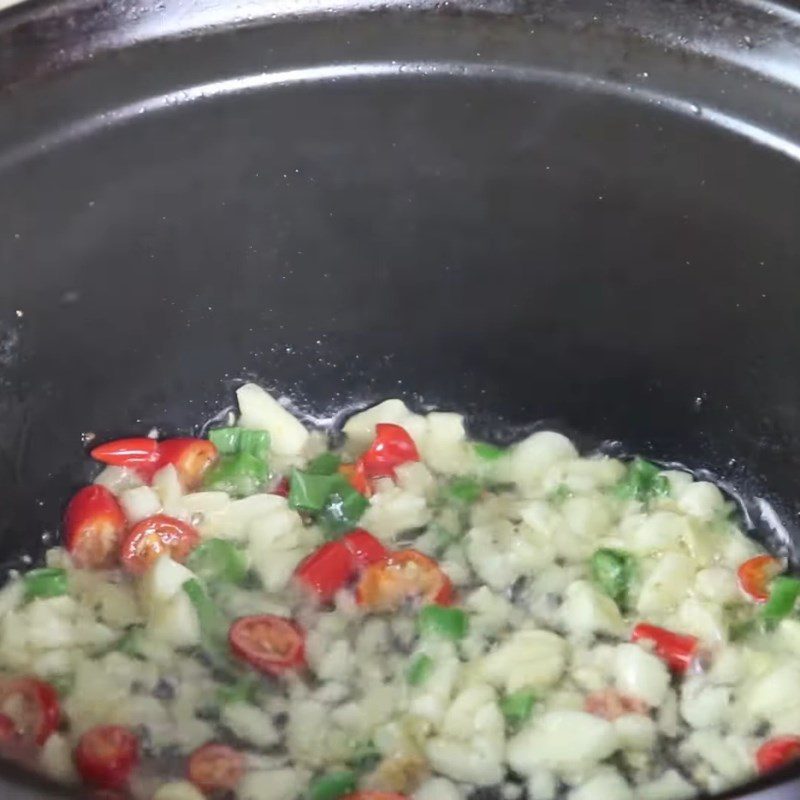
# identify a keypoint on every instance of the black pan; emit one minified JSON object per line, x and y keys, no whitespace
{"x":569,"y":211}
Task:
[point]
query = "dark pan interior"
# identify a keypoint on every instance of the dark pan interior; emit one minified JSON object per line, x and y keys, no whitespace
{"x":527,"y":211}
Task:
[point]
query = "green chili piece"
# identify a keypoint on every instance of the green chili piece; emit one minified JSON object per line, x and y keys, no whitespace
{"x":240,"y":474}
{"x":218,"y":560}
{"x":324,"y":464}
{"x":226,"y":440}
{"x":332,"y":786}
{"x":230,"y":441}
{"x":256,"y":443}
{"x":342,"y":508}
{"x":419,"y":670}
{"x":613,"y":571}
{"x":465,"y":490}
{"x":642,"y":482}
{"x":488,"y":452}
{"x":517,"y":707}
{"x":336,"y":503}
{"x":309,"y":492}
{"x":442,"y":621}
{"x":45,"y":582}
{"x":783,"y":595}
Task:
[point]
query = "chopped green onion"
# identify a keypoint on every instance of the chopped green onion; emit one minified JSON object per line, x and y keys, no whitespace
{"x":342,"y":509}
{"x":240,"y":474}
{"x":333,"y":786}
{"x":561,"y":493}
{"x":488,"y":452}
{"x":442,"y":621}
{"x":517,"y":707}
{"x":63,"y":684}
{"x":211,"y":622}
{"x":45,"y":582}
{"x":783,"y":595}
{"x":739,"y":630}
{"x":364,"y":756}
{"x":308,"y":492}
{"x":613,"y":571}
{"x":741,"y":620}
{"x":444,"y":536}
{"x":213,"y":627}
{"x":218,"y":560}
{"x":465,"y":490}
{"x":419,"y":670}
{"x":642,"y":482}
{"x":324,"y":464}
{"x":241,"y":691}
{"x":131,"y":642}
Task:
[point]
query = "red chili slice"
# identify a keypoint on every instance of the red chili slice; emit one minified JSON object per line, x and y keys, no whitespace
{"x":391,"y":447}
{"x":327,"y":570}
{"x":402,"y":576}
{"x":215,"y":767}
{"x":8,"y":730}
{"x":755,"y":576}
{"x":190,"y":457}
{"x":271,"y":644}
{"x":106,"y":756}
{"x":140,"y":454}
{"x":94,"y":525}
{"x":333,"y":565}
{"x":676,"y":650}
{"x":356,"y":477}
{"x":282,"y":488}
{"x":154,"y":537}
{"x":12,"y":745}
{"x":33,"y":708}
{"x":611,"y":704}
{"x":365,"y":548}
{"x":777,"y":752}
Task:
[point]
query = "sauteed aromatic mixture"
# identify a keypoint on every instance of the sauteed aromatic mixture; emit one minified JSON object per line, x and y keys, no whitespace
{"x":261,"y":615}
